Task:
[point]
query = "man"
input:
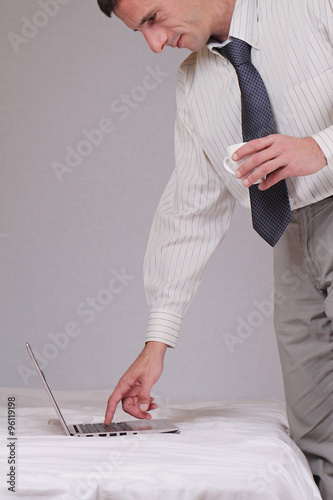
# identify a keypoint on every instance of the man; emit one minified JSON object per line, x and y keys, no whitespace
{"x":291,"y":47}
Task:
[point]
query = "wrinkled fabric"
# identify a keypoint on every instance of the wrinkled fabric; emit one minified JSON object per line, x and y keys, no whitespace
{"x":226,"y":450}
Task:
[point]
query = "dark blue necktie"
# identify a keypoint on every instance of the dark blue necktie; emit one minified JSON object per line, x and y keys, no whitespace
{"x":270,"y":209}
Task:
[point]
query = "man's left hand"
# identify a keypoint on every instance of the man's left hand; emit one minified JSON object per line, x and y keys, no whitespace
{"x":281,"y":156}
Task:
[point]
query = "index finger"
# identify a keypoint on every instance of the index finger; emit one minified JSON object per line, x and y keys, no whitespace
{"x":252,"y":147}
{"x":113,"y":401}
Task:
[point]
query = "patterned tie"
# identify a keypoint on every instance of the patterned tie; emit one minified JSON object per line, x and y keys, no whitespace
{"x":270,"y":209}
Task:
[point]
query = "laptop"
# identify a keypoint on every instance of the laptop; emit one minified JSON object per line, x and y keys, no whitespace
{"x":102,"y":430}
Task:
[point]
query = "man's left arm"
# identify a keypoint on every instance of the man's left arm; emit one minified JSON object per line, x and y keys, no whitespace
{"x":282,"y":156}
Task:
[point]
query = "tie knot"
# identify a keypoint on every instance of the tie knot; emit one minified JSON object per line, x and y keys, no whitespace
{"x":237,"y":52}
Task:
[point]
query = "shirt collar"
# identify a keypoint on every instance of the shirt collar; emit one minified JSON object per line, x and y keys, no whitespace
{"x":244,"y":25}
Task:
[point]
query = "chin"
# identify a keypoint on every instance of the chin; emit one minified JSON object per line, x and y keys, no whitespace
{"x":197,"y":45}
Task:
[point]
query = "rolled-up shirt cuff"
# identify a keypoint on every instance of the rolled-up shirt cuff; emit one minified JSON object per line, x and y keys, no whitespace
{"x":164,"y":326}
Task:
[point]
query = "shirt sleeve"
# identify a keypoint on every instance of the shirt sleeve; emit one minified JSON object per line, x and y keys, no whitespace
{"x":191,"y":220}
{"x":324,"y":18}
{"x":324,"y":140}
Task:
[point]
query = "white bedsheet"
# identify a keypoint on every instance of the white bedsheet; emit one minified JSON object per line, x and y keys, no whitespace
{"x":226,"y":450}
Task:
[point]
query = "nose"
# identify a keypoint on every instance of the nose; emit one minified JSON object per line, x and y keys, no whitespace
{"x":156,"y":39}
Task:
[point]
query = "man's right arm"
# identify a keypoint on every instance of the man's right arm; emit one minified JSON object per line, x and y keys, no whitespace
{"x":191,"y":220}
{"x":134,"y":387}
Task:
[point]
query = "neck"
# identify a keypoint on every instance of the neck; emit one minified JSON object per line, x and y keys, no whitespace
{"x":222,"y":19}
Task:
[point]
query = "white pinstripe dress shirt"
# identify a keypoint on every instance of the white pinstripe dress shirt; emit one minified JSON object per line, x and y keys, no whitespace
{"x":293,"y":51}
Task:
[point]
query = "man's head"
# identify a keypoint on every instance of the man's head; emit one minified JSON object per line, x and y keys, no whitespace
{"x":174,"y":23}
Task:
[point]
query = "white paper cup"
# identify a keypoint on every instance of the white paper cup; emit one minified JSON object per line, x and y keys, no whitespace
{"x":232,"y":165}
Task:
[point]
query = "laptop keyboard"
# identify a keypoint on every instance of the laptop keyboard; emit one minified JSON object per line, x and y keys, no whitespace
{"x":101,"y":428}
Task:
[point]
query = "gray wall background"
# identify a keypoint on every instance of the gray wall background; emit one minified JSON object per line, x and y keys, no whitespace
{"x":76,"y":209}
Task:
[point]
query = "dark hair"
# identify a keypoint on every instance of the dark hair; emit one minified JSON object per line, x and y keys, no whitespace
{"x":107,"y":6}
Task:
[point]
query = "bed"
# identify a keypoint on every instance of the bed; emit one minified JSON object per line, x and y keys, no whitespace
{"x":226,"y":450}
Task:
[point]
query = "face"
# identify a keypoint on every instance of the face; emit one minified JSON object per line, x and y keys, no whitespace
{"x":174,"y":23}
